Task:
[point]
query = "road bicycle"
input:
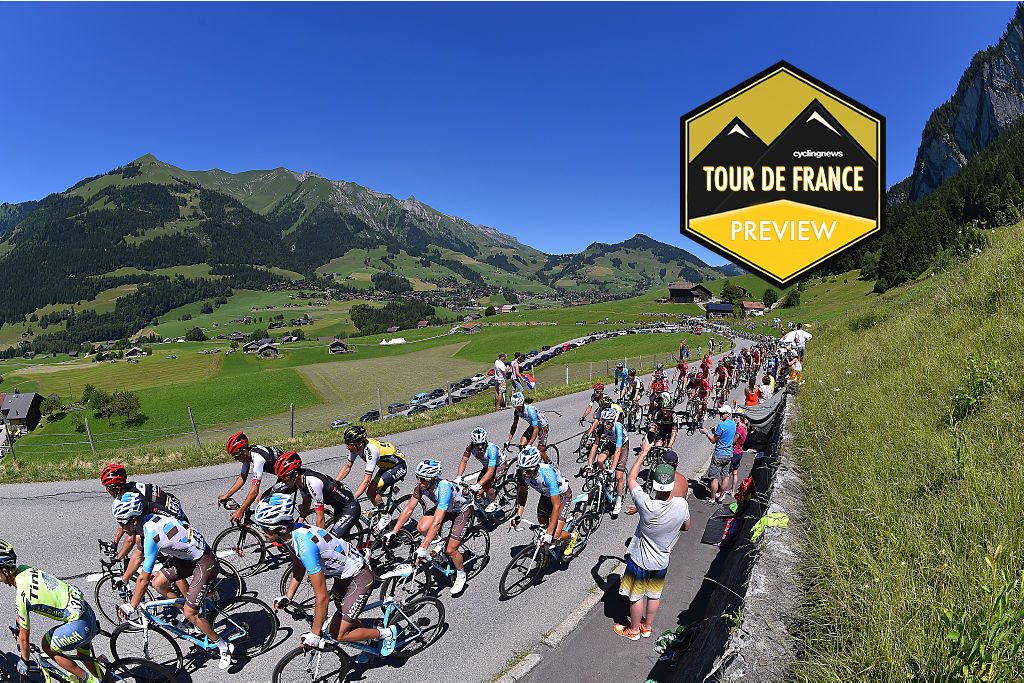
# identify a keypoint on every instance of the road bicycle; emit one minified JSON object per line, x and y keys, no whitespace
{"x":655,"y":456}
{"x":419,"y":622}
{"x":586,"y":441}
{"x":528,"y":565}
{"x":599,"y":486}
{"x":242,"y":543}
{"x":248,"y":623}
{"x":42,"y":669}
{"x":110,"y":593}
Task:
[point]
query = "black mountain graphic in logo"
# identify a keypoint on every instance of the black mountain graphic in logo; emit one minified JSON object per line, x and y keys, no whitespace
{"x":813,"y":130}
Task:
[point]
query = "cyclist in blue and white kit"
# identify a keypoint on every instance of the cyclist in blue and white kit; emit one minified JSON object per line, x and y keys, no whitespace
{"x":537,"y":431}
{"x":491,"y":461}
{"x":621,"y":378}
{"x":445,"y":502}
{"x":555,"y":497}
{"x":185,"y":556}
{"x":320,"y":555}
{"x":611,"y":439}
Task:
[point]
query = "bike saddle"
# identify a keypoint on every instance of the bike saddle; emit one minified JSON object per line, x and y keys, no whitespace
{"x":402,"y":571}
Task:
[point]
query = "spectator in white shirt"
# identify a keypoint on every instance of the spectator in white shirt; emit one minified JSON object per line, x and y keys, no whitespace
{"x":500,"y":373}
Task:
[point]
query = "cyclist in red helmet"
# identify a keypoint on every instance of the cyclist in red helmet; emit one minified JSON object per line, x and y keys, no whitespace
{"x":316,"y":490}
{"x":595,"y":402}
{"x":255,"y":459}
{"x":155,"y":500}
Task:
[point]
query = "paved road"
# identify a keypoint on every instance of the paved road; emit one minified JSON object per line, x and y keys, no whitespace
{"x":54,"y":526}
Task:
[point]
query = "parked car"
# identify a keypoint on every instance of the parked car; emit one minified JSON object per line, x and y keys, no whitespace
{"x":436,"y":393}
{"x":419,"y":398}
{"x":339,"y":423}
{"x":544,"y":348}
{"x":466,"y":381}
{"x":396,"y":408}
{"x":370,"y":416}
{"x":566,"y":346}
{"x":477,"y":378}
{"x":419,"y":408}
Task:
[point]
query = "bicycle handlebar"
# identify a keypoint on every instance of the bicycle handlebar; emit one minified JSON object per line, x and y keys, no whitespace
{"x":230,"y":504}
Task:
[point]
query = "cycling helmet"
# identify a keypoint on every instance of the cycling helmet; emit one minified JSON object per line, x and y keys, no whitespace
{"x":478,"y":435}
{"x":275,"y":510}
{"x":355,"y":434}
{"x":529,"y":458}
{"x":113,"y":474}
{"x":8,"y":558}
{"x":598,"y":387}
{"x":738,"y":411}
{"x":428,"y":469}
{"x":659,"y":367}
{"x":128,"y":506}
{"x":632,"y":372}
{"x":659,"y":374}
{"x":619,"y":364}
{"x":666,"y":398}
{"x":287,"y":464}
{"x":236,"y":442}
{"x":517,"y":399}
{"x":605,"y":402}
{"x":608,"y":415}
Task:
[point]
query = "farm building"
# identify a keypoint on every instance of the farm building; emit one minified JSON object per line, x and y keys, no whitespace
{"x":471,"y":328}
{"x":268,"y":351}
{"x":471,"y":317}
{"x":683,"y":292}
{"x":422,"y":323}
{"x":255,"y":346}
{"x":750,"y":306}
{"x":134,"y":352}
{"x":719,"y":310}
{"x":21,"y":411}
{"x":506,"y":308}
{"x":337,"y":346}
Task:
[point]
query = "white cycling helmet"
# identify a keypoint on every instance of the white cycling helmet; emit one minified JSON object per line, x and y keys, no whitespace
{"x":517,"y":399}
{"x":666,"y":398}
{"x":128,"y":506}
{"x":609,"y":414}
{"x":529,"y":458}
{"x":275,"y":510}
{"x":429,"y":469}
{"x":478,"y":435}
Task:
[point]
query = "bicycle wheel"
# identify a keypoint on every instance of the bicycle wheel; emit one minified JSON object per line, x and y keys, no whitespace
{"x":553,"y":455}
{"x":522,"y":572}
{"x":134,"y":670}
{"x":508,"y":493}
{"x":108,"y":599}
{"x":228,"y":583}
{"x":247,"y":623}
{"x":154,"y":644}
{"x":304,"y":598}
{"x":401,"y":588}
{"x":417,"y":512}
{"x":476,"y":551}
{"x":312,"y":666}
{"x":382,"y":558}
{"x":243,"y":548}
{"x":420,"y":624}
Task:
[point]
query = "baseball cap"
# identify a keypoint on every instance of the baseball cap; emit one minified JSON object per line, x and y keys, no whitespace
{"x":726,"y":408}
{"x":664,"y":478}
{"x":670,"y":458}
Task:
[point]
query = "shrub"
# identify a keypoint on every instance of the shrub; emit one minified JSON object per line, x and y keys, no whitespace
{"x":979,"y":382}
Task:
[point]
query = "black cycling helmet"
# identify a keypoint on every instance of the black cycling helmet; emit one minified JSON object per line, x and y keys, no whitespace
{"x":355,"y":434}
{"x":8,"y":558}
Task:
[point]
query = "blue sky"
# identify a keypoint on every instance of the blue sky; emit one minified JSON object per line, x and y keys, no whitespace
{"x":557,"y":123}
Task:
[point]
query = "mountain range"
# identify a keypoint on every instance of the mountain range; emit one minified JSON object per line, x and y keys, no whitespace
{"x":149,"y":215}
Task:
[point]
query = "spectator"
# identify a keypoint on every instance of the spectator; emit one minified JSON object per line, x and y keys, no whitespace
{"x":766,"y":390}
{"x":750,"y":393}
{"x":683,"y":351}
{"x":500,"y":373}
{"x":740,"y":416}
{"x":661,"y":519}
{"x":798,"y":338}
{"x":516,"y":375}
{"x":721,"y":458}
{"x":682,"y":489}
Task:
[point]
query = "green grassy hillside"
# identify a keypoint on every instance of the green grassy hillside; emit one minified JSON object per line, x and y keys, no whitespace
{"x":909,"y":438}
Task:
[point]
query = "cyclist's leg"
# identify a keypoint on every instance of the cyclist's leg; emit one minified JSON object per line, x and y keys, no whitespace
{"x":620,"y":469}
{"x":385,"y":479}
{"x":73,"y":636}
{"x":351,"y":596}
{"x":563,"y":516}
{"x":460,"y":522}
{"x":542,"y":442}
{"x":204,"y":571}
{"x":347,"y":517}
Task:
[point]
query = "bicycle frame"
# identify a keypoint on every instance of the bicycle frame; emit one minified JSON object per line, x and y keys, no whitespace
{"x":206,"y":644}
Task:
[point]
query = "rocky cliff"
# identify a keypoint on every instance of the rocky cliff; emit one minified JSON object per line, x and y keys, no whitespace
{"x":988,"y":98}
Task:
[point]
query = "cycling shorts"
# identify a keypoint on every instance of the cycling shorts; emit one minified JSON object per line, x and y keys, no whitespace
{"x":74,"y":635}
{"x":388,"y":477}
{"x":542,"y":434}
{"x":351,"y":595}
{"x":460,"y":522}
{"x":346,"y":517}
{"x":545,"y":507}
{"x":199,"y":573}
{"x":660,"y":431}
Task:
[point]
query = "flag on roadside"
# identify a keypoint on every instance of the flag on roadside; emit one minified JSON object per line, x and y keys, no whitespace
{"x":531,"y":383}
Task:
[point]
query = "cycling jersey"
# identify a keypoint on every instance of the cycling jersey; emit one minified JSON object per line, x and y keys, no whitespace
{"x":722,"y":374}
{"x":380,"y":454}
{"x":445,"y":495}
{"x":319,"y":550}
{"x":700,"y":385}
{"x":620,"y":376}
{"x":615,"y":435}
{"x":659,"y":385}
{"x":261,"y":459}
{"x":535,"y":417}
{"x":322,"y":490}
{"x":664,"y":418}
{"x":548,"y":481}
{"x":39,"y":592}
{"x":490,"y":456}
{"x":157,"y":501}
{"x":164,"y":535}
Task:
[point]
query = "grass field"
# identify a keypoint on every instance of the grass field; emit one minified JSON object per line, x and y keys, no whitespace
{"x":754,"y":285}
{"x":909,"y":440}
{"x":827,"y":298}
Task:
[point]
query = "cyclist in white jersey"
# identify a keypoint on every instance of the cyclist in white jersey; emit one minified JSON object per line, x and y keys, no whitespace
{"x":258,"y":460}
{"x":492,"y":462}
{"x":319,"y":555}
{"x":555,"y":495}
{"x":537,"y":424}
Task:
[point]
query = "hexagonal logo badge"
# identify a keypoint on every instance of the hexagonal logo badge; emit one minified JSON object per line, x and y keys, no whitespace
{"x":782,"y":172}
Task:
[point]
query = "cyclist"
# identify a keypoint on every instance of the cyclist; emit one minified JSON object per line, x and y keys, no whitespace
{"x":491,"y":460}
{"x":619,"y":378}
{"x":659,"y":384}
{"x":447,"y":504}
{"x":662,"y":430}
{"x":722,"y":381}
{"x":611,"y":440}
{"x":730,"y":365}
{"x":381,"y":456}
{"x":555,"y":497}
{"x":317,"y":491}
{"x":185,"y":554}
{"x":536,"y":431}
{"x":114,"y":478}
{"x":682,"y":369}
{"x":605,"y":404}
{"x":697,"y":392}
{"x":39,"y":592}
{"x":320,"y":555}
{"x":741,"y":361}
{"x":255,"y":459}
{"x":595,"y":402}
